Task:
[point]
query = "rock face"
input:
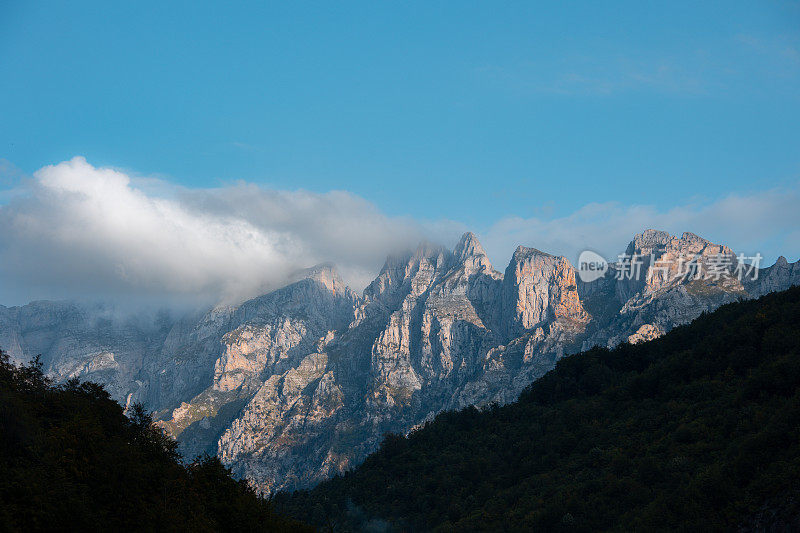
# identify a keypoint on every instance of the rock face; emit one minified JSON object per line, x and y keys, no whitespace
{"x":539,"y":287}
{"x":775,"y":278}
{"x":302,"y":383}
{"x":92,"y":342}
{"x":678,"y":278}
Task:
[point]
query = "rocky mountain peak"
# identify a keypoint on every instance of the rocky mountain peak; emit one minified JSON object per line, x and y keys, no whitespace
{"x":656,"y":242}
{"x":645,"y":242}
{"x":411,"y":271}
{"x":523,"y":253}
{"x":665,"y":262}
{"x":468,"y":246}
{"x":323,"y":273}
{"x":428,"y":250}
{"x":780,"y":275}
{"x":539,"y":287}
{"x":470,"y":254}
{"x":434,"y":254}
{"x":691,"y":237}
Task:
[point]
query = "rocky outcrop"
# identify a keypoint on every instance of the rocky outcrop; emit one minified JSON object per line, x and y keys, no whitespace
{"x":302,"y":383}
{"x":681,"y":277}
{"x":264,"y":337}
{"x":280,"y":437}
{"x":429,"y":334}
{"x":645,"y":333}
{"x":775,"y":278}
{"x":97,"y":342}
{"x":539,"y":287}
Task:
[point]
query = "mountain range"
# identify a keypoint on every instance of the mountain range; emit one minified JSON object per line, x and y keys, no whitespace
{"x":300,"y":384}
{"x":694,"y":431}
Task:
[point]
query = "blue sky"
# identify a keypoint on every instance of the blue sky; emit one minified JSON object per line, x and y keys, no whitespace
{"x":434,"y":111}
{"x":464,"y":110}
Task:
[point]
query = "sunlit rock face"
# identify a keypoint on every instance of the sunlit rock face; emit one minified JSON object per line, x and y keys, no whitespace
{"x":268,"y":336}
{"x":668,"y":292}
{"x":299,"y":384}
{"x":426,"y":336}
{"x":539,"y":287}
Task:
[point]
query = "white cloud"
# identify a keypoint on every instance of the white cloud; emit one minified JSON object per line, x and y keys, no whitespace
{"x":92,"y":231}
{"x":766,"y":222}
{"x":77,"y":230}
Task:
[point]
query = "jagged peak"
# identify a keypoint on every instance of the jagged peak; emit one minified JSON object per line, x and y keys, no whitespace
{"x":424,"y":250}
{"x":323,"y":273}
{"x":523,"y":252}
{"x":781,"y":262}
{"x":397,"y":259}
{"x":652,"y":233}
{"x":428,"y":250}
{"x":468,"y":246}
{"x":693,"y":237}
{"x":326,"y":268}
{"x":648,"y":239}
{"x":651,"y":239}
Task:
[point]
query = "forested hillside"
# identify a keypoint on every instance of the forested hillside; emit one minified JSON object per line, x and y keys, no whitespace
{"x":71,"y":460}
{"x":697,"y":430}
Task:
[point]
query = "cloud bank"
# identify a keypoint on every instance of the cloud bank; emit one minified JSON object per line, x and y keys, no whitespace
{"x":75,"y":230}
{"x":89,"y":231}
{"x":766,"y":222}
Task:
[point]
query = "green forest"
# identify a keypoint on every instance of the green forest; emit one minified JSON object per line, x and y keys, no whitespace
{"x":70,"y":459}
{"x":698,"y":430}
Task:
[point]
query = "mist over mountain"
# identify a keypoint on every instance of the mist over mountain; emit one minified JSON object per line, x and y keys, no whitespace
{"x":302,"y":382}
{"x":78,"y":231}
{"x":103,"y":233}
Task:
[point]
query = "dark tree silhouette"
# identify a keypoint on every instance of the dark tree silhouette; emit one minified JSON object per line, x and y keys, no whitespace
{"x":70,"y":459}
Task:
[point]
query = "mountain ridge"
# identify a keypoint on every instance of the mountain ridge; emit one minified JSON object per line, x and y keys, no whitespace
{"x":696,"y":430}
{"x":301,"y":383}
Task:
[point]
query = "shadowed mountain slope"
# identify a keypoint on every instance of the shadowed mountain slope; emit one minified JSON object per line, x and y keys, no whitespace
{"x":697,"y":430}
